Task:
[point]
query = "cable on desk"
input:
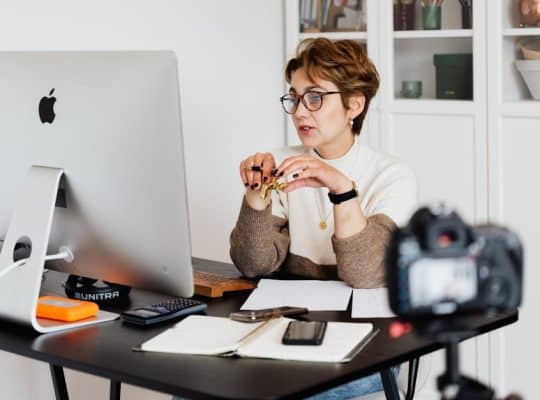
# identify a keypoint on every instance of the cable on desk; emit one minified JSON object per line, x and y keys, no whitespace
{"x":65,"y":254}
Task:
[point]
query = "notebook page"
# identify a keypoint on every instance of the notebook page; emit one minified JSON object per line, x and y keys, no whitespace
{"x":197,"y":334}
{"x":312,"y":294}
{"x":339,"y":340}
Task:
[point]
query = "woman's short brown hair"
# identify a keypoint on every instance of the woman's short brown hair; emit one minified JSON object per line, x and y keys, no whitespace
{"x":343,"y":62}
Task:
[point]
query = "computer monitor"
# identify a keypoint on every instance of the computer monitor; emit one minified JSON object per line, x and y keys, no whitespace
{"x":111,"y":121}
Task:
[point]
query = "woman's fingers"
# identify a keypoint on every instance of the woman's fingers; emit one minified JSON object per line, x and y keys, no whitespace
{"x":249,"y":171}
{"x":268,"y":166}
{"x":243,"y":173}
{"x":256,"y":171}
{"x":246,"y":171}
{"x":285,"y":167}
{"x":294,"y":168}
{"x":259,"y":168}
{"x":254,"y":168}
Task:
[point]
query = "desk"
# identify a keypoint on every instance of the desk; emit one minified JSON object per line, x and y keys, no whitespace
{"x":105,"y":350}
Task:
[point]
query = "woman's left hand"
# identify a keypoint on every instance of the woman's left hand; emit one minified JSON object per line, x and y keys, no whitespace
{"x":312,"y":172}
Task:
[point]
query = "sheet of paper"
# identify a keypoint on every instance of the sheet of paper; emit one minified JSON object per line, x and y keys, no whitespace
{"x":312,"y":294}
{"x":371,"y":303}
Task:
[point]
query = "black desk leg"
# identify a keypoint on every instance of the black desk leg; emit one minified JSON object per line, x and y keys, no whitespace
{"x":115,"y":390}
{"x":413,"y":373}
{"x":59,"y":382}
{"x":389,"y":384}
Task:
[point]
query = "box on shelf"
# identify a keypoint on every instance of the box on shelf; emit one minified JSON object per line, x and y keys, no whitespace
{"x":454,"y":76}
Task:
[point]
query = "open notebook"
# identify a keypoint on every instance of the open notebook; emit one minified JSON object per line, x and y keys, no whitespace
{"x":206,"y":335}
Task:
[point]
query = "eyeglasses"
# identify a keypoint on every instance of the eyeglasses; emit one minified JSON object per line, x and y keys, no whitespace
{"x":312,"y":100}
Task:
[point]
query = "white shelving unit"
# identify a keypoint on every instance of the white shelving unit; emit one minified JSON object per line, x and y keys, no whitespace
{"x":475,"y":154}
{"x":432,"y":107}
{"x":362,"y":36}
{"x":421,"y":34}
{"x":445,"y":141}
{"x":513,"y":119}
{"x":420,"y":66}
{"x":411,"y":51}
{"x":504,"y":38}
{"x":521,"y":32}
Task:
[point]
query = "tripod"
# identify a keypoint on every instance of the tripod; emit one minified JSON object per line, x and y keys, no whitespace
{"x":451,"y":384}
{"x":454,"y":386}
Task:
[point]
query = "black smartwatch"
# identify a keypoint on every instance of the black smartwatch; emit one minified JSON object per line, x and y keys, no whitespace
{"x":341,"y":197}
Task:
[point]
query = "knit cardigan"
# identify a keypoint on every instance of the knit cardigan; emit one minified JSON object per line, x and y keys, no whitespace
{"x":286,"y":235}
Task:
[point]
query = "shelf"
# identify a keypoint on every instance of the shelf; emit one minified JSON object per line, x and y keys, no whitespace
{"x":430,"y":34}
{"x":433,"y":107}
{"x":334,"y":35}
{"x":521,"y":32}
{"x":524,"y":109}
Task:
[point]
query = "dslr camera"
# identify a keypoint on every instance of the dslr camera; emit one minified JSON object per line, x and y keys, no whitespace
{"x":437,"y":265}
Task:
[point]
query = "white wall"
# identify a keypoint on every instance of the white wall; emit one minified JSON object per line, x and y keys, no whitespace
{"x":230,"y":65}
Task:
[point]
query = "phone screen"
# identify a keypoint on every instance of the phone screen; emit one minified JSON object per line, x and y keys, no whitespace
{"x":304,"y":332}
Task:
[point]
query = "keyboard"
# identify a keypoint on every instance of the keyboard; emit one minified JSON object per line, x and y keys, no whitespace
{"x":214,"y":285}
{"x":165,"y":311}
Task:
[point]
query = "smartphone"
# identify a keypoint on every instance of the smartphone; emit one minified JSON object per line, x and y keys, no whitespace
{"x":267,"y":313}
{"x":304,"y":333}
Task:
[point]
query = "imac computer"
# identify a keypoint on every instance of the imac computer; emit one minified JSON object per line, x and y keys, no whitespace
{"x":92,"y":171}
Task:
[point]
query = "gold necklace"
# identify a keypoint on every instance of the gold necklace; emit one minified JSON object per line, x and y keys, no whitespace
{"x":322,"y":224}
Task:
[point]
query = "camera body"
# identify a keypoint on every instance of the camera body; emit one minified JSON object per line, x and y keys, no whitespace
{"x":437,"y":265}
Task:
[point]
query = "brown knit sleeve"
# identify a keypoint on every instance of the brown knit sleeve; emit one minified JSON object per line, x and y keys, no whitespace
{"x":360,"y":257}
{"x":259,"y":241}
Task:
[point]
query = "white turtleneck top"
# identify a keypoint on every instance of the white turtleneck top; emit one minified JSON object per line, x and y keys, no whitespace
{"x":287,"y":234}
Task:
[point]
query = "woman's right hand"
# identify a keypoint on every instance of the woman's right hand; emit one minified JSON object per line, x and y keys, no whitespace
{"x":256,"y":170}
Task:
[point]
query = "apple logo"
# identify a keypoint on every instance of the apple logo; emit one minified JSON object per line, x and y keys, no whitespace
{"x":46,"y":108}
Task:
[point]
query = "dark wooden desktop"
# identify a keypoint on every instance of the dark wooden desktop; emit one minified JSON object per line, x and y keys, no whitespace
{"x":106,"y":350}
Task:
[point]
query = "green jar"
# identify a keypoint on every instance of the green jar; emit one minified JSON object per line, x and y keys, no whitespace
{"x":431,"y":17}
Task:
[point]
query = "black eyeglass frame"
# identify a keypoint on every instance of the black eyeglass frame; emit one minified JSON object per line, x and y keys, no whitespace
{"x":301,"y":98}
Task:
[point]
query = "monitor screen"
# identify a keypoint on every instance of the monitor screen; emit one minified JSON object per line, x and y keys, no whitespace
{"x":111,"y":121}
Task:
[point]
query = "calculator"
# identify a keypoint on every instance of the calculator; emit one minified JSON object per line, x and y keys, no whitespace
{"x":164,"y":311}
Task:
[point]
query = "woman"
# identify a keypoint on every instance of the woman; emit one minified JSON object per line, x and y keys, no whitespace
{"x":343,"y":199}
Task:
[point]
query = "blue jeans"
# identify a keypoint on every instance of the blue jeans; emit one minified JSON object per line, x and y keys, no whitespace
{"x":360,"y":387}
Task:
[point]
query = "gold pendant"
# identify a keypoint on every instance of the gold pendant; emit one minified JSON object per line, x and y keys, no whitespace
{"x":323,"y":225}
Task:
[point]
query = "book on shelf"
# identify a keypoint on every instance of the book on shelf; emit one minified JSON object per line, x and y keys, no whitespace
{"x":218,"y":336}
{"x":331,"y":16}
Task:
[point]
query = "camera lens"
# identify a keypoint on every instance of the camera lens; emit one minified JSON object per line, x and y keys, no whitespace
{"x":446,"y":239}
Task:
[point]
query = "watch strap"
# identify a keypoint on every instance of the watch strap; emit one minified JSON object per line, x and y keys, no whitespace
{"x":341,"y":197}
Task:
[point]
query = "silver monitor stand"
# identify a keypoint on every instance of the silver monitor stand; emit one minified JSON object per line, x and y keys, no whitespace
{"x":32,"y":222}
